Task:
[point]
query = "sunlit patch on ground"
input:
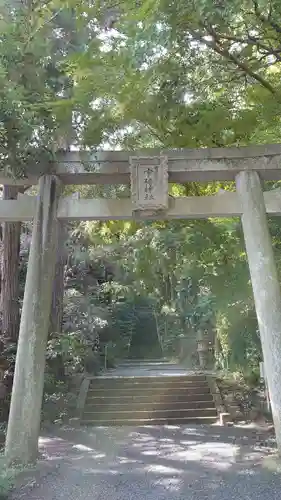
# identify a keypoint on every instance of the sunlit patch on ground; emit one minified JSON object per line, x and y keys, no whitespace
{"x":158,"y":463}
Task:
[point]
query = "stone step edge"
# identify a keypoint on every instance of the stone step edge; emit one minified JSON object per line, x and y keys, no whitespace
{"x":147,"y":376}
{"x":178,"y":410}
{"x":145,"y":386}
{"x":156,"y":421}
{"x":129,"y":391}
{"x":100,"y":417}
{"x":157,"y":403}
{"x":185,"y":396}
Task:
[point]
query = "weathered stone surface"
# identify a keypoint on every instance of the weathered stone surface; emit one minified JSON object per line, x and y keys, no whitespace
{"x":265,"y":285}
{"x":185,"y":165}
{"x":149,"y":183}
{"x":26,"y":402}
{"x":225,"y":204}
{"x":225,"y":418}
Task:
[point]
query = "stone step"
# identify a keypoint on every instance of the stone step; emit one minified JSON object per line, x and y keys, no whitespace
{"x":150,"y":421}
{"x":161,"y":379}
{"x":138,"y":384}
{"x":140,"y":362}
{"x":147,"y":398}
{"x":135,"y":405}
{"x":128,"y":414}
{"x":151,"y":367}
{"x":156,"y":392}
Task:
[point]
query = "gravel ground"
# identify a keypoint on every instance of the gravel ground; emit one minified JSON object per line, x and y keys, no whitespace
{"x":157,"y":463}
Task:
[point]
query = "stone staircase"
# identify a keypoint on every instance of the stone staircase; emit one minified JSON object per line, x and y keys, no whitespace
{"x":149,"y":400}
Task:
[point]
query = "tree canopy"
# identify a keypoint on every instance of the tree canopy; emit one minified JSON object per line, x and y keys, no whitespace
{"x":137,"y":75}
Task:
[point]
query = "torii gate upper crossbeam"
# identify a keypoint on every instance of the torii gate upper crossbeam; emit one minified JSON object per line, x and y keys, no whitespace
{"x":184,"y":165}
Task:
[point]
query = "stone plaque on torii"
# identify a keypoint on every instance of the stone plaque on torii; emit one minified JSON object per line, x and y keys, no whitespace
{"x":149,"y":184}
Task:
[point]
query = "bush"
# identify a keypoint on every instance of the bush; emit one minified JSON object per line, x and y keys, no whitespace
{"x":5,"y":487}
{"x":252,"y":377}
{"x":3,"y":428}
{"x":8,"y":476}
{"x":92,"y":363}
{"x":6,"y":480}
{"x":58,"y":403}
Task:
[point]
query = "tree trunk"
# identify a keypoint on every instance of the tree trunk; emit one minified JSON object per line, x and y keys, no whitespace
{"x":56,"y":316}
{"x":10,"y":272}
{"x":58,"y":289}
{"x":160,"y":340}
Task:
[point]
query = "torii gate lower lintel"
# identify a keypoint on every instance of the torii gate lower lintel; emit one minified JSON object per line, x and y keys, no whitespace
{"x":149,"y":174}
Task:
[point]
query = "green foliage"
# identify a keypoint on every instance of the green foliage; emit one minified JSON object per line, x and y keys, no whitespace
{"x":38,"y":113}
{"x":6,"y":482}
{"x":193,"y":274}
{"x":58,"y":402}
{"x":7,"y":477}
{"x":178,"y":88}
{"x":26,"y":119}
{"x":190,"y":75}
{"x":168,"y":76}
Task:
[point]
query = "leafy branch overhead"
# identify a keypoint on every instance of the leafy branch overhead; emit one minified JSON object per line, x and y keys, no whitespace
{"x":194,"y":74}
{"x":191,"y":74}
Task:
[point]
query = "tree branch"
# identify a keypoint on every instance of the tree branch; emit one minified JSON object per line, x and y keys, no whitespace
{"x":269,"y":50}
{"x":265,"y":19}
{"x":215,"y":45}
{"x":39,"y":28}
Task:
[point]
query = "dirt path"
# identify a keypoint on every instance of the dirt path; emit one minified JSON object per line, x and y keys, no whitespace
{"x":156,"y":463}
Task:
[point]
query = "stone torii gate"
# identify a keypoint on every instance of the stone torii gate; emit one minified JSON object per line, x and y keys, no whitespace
{"x":149,"y":173}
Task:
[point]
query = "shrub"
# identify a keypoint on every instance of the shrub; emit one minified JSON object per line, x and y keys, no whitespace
{"x":6,"y":479}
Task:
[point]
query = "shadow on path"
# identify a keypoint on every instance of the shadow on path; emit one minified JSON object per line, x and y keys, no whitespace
{"x":152,"y":462}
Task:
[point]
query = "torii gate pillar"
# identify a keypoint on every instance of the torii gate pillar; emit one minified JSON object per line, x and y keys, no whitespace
{"x":25,"y":410}
{"x":265,"y":285}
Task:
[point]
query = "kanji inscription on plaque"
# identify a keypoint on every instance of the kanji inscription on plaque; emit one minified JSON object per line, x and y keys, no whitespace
{"x":149,"y":183}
